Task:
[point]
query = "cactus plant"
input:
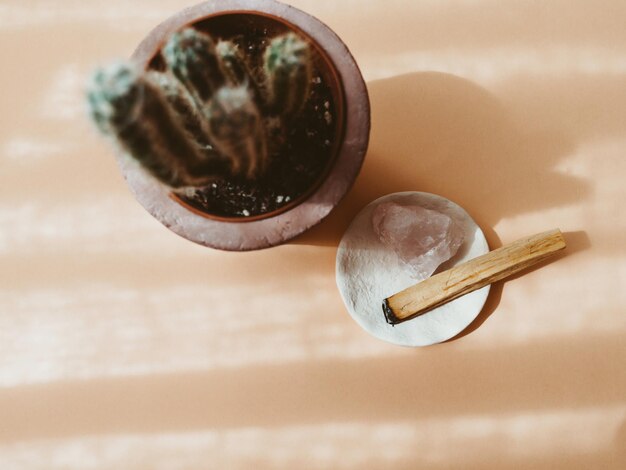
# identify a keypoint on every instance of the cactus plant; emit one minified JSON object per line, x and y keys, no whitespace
{"x":192,"y":58}
{"x":288,"y":68}
{"x":129,"y":107}
{"x":183,"y":106}
{"x":233,"y":63}
{"x":237,"y":129}
{"x":206,"y":117}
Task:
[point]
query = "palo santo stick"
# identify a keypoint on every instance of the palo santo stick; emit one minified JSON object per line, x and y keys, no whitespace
{"x":471,"y":275}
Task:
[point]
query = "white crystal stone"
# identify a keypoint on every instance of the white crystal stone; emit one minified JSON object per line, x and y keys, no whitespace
{"x":422,"y":238}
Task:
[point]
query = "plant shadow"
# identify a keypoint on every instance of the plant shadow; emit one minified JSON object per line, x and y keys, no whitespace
{"x":439,"y":133}
{"x":443,"y":134}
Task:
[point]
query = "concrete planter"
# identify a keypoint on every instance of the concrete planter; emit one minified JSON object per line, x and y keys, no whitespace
{"x":276,"y":227}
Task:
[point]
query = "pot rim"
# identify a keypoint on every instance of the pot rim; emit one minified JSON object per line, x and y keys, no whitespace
{"x":271,"y":228}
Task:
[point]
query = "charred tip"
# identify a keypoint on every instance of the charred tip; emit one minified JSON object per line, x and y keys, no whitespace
{"x":390,"y":316}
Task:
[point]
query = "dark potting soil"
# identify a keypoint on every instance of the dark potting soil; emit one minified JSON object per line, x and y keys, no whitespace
{"x":296,"y":166}
{"x":293,"y":171}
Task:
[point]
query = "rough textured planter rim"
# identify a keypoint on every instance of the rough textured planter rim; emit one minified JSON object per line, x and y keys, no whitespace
{"x":274,"y":230}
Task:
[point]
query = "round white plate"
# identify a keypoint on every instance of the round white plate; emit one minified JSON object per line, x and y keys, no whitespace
{"x":368,"y":272}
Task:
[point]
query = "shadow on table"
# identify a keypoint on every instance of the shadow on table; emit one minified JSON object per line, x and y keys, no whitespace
{"x":545,"y":382}
{"x":576,"y":242}
{"x":439,"y":133}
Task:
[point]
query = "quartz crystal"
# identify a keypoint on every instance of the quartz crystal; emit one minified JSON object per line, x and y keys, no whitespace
{"x":422,"y":238}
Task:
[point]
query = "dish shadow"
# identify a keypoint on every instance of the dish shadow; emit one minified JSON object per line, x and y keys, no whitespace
{"x":439,"y":133}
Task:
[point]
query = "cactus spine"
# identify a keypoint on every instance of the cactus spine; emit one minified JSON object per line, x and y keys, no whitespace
{"x":237,"y":129}
{"x":192,"y":58}
{"x":135,"y":113}
{"x":183,"y":106}
{"x":206,"y":117}
{"x":288,"y":69}
{"x":233,"y":63}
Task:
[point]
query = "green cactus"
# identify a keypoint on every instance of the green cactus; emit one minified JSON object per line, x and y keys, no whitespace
{"x":238,"y":72}
{"x":288,"y":68}
{"x":114,"y":96}
{"x":192,"y":58}
{"x":206,"y":116}
{"x":183,"y":106}
{"x":135,"y":113}
{"x":236,"y":127}
{"x":233,"y":63}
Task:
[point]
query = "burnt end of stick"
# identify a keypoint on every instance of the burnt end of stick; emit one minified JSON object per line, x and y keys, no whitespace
{"x":390,"y":316}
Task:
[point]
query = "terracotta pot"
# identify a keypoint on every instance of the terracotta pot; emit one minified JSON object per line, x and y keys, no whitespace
{"x":353,"y":113}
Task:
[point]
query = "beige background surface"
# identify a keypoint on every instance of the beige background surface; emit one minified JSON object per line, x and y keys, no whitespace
{"x":125,"y":346}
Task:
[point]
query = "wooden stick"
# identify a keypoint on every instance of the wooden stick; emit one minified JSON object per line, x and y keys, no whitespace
{"x":471,"y":275}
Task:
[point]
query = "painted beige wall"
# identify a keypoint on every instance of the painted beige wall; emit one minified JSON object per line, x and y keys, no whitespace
{"x":121,"y":345}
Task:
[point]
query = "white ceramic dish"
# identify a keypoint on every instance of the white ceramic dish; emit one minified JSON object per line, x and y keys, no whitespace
{"x":367,"y":272}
